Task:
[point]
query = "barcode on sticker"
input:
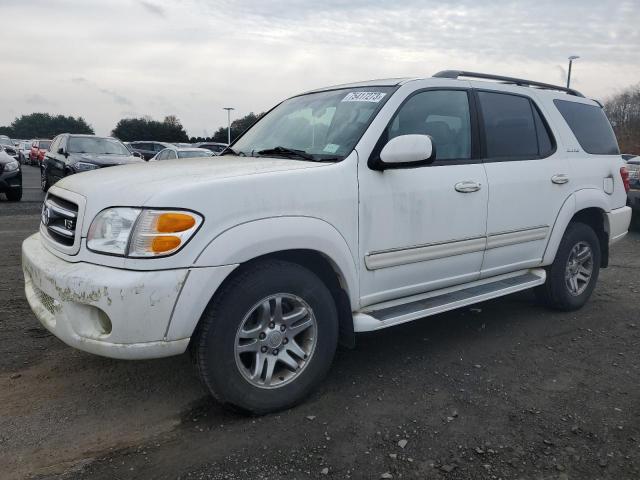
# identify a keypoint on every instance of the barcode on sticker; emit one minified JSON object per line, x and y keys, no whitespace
{"x":374,"y":97}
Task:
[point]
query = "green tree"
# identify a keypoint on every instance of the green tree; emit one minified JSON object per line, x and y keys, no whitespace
{"x":145,"y":128}
{"x":238,"y":127}
{"x":45,"y":125}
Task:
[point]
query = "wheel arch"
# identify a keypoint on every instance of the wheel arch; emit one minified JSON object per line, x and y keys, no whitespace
{"x":587,"y":206}
{"x":309,"y":242}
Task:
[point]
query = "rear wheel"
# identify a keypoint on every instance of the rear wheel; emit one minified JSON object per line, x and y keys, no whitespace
{"x":574,"y":273}
{"x":268,"y":337}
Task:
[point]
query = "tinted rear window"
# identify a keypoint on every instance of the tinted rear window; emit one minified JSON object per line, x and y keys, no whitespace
{"x":509,"y":126}
{"x":590,"y":126}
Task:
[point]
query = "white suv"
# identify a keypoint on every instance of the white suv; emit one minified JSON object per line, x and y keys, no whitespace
{"x":346,"y":209}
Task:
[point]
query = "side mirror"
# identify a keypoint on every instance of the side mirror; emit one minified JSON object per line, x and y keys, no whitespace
{"x":61,"y":151}
{"x":137,"y":154}
{"x":407,"y":151}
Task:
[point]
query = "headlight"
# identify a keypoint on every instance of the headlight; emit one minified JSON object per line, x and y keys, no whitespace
{"x":11,"y":166}
{"x":84,"y":166}
{"x":138,"y":233}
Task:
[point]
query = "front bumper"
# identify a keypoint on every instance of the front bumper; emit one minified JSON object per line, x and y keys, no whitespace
{"x":106,"y":311}
{"x":618,"y":221}
{"x":10,"y":180}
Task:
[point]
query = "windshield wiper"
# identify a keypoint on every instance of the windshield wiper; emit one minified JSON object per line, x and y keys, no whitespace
{"x":228,"y":151}
{"x":287,"y":152}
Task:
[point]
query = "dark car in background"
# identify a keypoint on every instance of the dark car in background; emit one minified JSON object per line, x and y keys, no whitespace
{"x":215,"y":147}
{"x":39,"y":148}
{"x":9,"y":146}
{"x":149,"y":149}
{"x":10,"y":176}
{"x":633,"y":167}
{"x":72,"y":153}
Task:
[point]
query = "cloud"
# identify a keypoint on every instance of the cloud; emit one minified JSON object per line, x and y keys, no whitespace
{"x":36,"y":99}
{"x":152,"y":8}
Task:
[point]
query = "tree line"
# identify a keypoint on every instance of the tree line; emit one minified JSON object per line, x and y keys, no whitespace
{"x":623,"y":111}
{"x":45,"y":125}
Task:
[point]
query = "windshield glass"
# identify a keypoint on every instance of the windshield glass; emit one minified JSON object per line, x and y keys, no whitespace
{"x":325,"y":125}
{"x":194,"y":154}
{"x":44,"y":145}
{"x":6,"y":141}
{"x":97,"y":145}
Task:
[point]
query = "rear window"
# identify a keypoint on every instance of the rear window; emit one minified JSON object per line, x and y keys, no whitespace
{"x":45,"y":144}
{"x":509,"y":126}
{"x":590,"y":126}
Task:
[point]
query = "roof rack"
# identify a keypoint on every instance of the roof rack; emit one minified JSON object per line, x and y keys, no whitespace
{"x":517,"y":81}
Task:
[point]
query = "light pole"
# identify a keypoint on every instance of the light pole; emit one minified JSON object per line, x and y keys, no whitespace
{"x":571,"y":59}
{"x":228,"y":109}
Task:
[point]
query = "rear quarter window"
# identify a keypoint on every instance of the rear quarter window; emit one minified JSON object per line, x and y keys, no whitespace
{"x":590,"y":126}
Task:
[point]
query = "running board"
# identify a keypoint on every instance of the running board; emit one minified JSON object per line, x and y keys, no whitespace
{"x":387,"y":314}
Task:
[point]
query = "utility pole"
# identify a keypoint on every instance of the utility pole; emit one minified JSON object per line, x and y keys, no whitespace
{"x":228,"y":109}
{"x":571,"y":59}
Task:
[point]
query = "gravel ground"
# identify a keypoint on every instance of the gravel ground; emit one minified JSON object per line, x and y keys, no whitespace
{"x":504,"y":390}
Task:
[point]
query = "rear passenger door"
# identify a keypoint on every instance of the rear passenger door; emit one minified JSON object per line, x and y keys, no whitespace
{"x":528,"y":179}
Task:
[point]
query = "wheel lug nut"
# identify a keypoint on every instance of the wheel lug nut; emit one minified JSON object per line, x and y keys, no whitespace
{"x":264,"y":349}
{"x":275,"y":351}
{"x":272,"y":325}
{"x":262,"y":336}
{"x":283,"y":328}
{"x":285,"y":341}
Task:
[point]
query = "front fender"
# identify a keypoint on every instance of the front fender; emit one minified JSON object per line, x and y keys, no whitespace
{"x":269,"y":235}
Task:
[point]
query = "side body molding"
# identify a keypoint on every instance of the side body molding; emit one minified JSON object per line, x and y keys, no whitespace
{"x":261,"y":237}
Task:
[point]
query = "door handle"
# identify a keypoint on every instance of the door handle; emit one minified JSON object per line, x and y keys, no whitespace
{"x":560,"y":178}
{"x":468,"y":186}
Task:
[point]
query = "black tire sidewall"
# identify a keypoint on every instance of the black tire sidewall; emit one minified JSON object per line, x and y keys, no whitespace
{"x":216,"y":356}
{"x":559,"y":292}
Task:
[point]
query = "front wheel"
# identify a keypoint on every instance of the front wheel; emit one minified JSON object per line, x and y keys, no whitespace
{"x":14,"y":194}
{"x":574,"y":272}
{"x":267,"y":338}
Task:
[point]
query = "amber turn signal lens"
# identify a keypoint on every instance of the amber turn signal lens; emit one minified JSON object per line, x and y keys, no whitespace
{"x":164,"y":243}
{"x":174,"y":222}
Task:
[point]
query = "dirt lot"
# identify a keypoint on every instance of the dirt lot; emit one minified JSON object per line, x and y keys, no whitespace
{"x":506,"y":390}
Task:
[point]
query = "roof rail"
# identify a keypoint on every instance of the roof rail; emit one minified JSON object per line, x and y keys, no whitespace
{"x":517,"y":81}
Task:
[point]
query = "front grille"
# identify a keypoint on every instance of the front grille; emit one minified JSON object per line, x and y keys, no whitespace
{"x":47,"y":301}
{"x":60,"y":218}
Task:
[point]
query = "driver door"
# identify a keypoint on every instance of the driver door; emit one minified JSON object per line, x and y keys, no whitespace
{"x":424,"y":228}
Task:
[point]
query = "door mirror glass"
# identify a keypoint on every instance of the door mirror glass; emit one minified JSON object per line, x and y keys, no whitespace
{"x":61,"y":151}
{"x":408,"y":151}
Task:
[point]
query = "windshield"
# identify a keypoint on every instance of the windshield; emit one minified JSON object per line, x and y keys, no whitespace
{"x":97,"y":145}
{"x":324,"y":125}
{"x":6,"y":141}
{"x":194,"y":154}
{"x":44,"y":145}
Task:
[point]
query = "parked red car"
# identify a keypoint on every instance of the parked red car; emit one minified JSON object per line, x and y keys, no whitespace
{"x":38,"y":149}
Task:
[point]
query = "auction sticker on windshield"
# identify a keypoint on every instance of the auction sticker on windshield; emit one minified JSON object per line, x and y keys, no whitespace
{"x":373,"y":97}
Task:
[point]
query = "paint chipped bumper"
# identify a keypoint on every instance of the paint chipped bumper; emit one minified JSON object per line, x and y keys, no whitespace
{"x":106,"y":311}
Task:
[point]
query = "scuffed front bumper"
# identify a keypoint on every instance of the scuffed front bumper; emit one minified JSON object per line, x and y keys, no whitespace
{"x":106,"y":311}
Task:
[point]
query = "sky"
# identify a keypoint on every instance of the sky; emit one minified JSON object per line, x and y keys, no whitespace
{"x":110,"y":59}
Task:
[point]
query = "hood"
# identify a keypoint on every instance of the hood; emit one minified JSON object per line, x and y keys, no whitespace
{"x":100,"y":159}
{"x":5,"y":158}
{"x":135,"y":184}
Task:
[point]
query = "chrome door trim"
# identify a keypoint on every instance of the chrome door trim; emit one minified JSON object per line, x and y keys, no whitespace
{"x":503,"y":239}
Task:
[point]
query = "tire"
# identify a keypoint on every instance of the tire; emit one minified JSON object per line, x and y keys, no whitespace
{"x":14,"y":194}
{"x":560,"y":293}
{"x":241,"y":303}
{"x":44,"y":180}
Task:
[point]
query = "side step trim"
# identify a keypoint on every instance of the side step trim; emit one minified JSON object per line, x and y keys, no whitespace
{"x":386,"y":315}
